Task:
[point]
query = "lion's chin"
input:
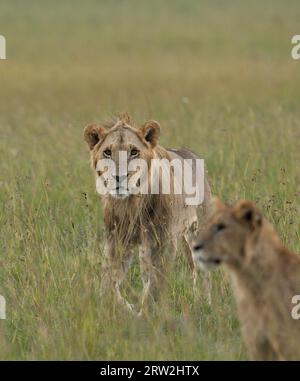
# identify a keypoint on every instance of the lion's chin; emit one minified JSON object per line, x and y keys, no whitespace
{"x":120,"y":196}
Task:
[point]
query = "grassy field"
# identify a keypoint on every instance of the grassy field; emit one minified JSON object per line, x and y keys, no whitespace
{"x":219,"y":78}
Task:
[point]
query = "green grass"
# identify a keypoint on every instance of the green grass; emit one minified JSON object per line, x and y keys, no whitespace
{"x":78,"y":62}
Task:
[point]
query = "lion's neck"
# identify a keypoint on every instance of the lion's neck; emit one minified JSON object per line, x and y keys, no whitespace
{"x":266,"y":261}
{"x":128,"y":207}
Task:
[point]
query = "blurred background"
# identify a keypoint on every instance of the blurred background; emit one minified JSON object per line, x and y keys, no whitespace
{"x":105,"y":55}
{"x":217,"y":75}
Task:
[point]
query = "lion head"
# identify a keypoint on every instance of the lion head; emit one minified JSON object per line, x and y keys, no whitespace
{"x":227,"y":234}
{"x":115,"y":147}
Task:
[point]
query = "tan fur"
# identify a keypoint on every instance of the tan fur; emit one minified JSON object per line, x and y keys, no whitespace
{"x":265,"y":277}
{"x":153,"y":222}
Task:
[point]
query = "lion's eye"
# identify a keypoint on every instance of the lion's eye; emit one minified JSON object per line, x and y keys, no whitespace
{"x":107,"y":153}
{"x":134,"y":152}
{"x":219,"y":227}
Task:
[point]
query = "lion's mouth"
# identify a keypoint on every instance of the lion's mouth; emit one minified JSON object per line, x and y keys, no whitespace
{"x":206,"y":263}
{"x":120,"y":192}
{"x":210,"y":261}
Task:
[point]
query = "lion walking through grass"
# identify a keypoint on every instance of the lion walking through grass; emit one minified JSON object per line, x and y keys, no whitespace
{"x":154,"y":222}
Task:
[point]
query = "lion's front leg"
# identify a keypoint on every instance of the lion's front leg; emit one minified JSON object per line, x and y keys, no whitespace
{"x":147,"y":271}
{"x":152,"y":274}
{"x":107,"y":266}
{"x":114,"y":269}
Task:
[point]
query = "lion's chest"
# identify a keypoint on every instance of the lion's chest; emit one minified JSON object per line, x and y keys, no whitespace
{"x":130,"y":226}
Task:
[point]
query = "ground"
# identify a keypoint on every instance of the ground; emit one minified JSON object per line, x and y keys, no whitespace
{"x":219,"y":78}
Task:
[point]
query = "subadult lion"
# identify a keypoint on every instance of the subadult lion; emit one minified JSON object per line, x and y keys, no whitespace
{"x":154,"y":222}
{"x":265,"y":277}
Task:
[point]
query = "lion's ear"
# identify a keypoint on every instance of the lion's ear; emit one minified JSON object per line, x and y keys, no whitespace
{"x":150,"y":131}
{"x":93,"y":134}
{"x":247,"y":213}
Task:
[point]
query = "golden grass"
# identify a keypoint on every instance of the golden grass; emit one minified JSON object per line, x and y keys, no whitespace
{"x":220,"y":80}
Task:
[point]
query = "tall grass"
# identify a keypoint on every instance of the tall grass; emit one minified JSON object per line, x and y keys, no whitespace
{"x":219,"y":78}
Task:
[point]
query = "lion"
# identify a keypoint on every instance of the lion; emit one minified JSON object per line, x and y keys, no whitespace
{"x":153,"y":222}
{"x":265,"y":277}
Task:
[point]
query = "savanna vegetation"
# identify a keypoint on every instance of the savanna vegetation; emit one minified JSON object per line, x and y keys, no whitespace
{"x":219,"y":78}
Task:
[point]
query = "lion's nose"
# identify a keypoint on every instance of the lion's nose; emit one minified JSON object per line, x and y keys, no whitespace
{"x":120,"y":179}
{"x":198,"y":246}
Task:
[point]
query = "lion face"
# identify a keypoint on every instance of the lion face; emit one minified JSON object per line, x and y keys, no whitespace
{"x":225,"y":237}
{"x":121,"y":156}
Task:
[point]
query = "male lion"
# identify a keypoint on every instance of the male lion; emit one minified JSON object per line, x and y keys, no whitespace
{"x":152,"y":221}
{"x":266,"y":277}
